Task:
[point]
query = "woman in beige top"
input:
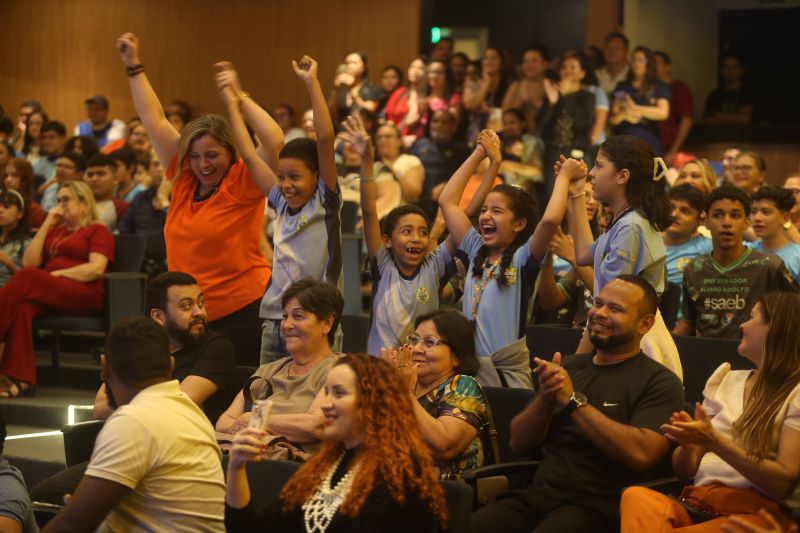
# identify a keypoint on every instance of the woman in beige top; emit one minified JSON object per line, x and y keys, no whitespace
{"x":295,"y":384}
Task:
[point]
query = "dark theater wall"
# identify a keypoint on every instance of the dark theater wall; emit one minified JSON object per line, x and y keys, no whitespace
{"x":61,"y":52}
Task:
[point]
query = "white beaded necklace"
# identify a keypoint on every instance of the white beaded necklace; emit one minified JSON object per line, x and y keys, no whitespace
{"x":319,"y":511}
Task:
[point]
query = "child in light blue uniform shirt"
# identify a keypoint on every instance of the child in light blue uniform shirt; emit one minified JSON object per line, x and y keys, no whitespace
{"x":503,"y":257}
{"x":768,"y":217}
{"x":682,"y":239}
{"x":628,"y":177}
{"x":306,"y":197}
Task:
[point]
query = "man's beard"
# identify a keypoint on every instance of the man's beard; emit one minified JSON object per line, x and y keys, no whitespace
{"x":612,"y":341}
{"x":184,"y":336}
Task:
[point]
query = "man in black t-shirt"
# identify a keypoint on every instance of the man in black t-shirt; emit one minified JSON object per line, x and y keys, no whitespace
{"x":204,"y":365}
{"x":597,"y":420}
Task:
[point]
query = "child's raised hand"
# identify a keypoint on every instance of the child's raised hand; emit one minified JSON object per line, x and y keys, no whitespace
{"x":572,"y":168}
{"x":306,"y":69}
{"x":128,"y":48}
{"x":490,"y":142}
{"x":356,"y":136}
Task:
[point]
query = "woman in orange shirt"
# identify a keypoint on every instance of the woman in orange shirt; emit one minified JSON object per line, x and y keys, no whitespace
{"x":216,"y":211}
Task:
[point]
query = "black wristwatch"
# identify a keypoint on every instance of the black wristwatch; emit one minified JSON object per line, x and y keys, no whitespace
{"x":578,"y":399}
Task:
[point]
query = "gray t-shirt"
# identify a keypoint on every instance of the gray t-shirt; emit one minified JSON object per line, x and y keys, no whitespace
{"x":398,"y":300}
{"x":308,"y":244}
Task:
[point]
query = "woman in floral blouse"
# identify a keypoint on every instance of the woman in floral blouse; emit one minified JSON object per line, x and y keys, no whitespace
{"x":439,"y":362}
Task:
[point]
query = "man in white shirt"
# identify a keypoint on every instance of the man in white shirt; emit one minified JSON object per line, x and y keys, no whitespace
{"x":615,"y":69}
{"x":156,"y":464}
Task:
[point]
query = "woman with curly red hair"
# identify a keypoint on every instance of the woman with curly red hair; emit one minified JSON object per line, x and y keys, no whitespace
{"x":373,"y":473}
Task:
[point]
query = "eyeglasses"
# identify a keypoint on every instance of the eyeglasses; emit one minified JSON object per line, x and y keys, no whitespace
{"x":427,"y":342}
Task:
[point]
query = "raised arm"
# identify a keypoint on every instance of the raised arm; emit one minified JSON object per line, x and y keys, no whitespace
{"x":568,"y":171}
{"x":355,"y":135}
{"x":260,"y":171}
{"x":578,"y":224}
{"x":269,"y":134}
{"x":33,"y":255}
{"x":306,"y":70}
{"x":458,"y":223}
{"x":163,"y":135}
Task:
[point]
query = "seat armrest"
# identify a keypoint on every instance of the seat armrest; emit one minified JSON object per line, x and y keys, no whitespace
{"x":488,"y":482}
{"x":501,"y":469}
{"x":79,"y":440}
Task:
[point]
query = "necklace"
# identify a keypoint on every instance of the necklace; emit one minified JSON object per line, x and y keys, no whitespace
{"x":319,"y":511}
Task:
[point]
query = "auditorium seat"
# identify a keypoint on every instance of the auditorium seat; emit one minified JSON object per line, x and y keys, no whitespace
{"x":544,"y":340}
{"x":700,"y":356}
{"x":670,"y":304}
{"x":355,"y":329}
{"x":124,"y":295}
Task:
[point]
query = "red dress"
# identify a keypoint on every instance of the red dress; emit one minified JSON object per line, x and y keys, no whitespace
{"x":32,"y":292}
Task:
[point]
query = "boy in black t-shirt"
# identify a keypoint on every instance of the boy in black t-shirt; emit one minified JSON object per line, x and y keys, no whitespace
{"x":597,"y":419}
{"x":720,"y":289}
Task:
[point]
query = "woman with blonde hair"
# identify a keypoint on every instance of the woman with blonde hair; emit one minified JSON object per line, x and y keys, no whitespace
{"x":63,"y":269}
{"x":373,"y":473}
{"x":699,"y":174}
{"x":743,"y":444}
{"x":215,"y":216}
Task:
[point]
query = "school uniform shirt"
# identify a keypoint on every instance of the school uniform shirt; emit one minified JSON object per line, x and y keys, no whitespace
{"x":717,"y":299}
{"x":308,"y":244}
{"x":680,"y":255}
{"x":790,"y":254}
{"x":14,"y":249}
{"x":502,"y":310}
{"x":398,"y":300}
{"x":163,"y":448}
{"x":630,"y":245}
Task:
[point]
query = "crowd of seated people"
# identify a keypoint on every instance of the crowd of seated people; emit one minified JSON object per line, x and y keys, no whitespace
{"x":490,"y":198}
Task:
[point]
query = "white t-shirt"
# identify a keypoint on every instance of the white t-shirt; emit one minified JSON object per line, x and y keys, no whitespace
{"x":163,"y":448}
{"x":724,"y":403}
{"x":406,"y":162}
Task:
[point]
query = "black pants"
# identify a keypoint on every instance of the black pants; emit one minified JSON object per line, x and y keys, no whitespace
{"x":542,"y":510}
{"x":53,"y":489}
{"x":243,"y":328}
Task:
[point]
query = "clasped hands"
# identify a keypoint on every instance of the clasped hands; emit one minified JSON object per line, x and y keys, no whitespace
{"x":555,"y":385}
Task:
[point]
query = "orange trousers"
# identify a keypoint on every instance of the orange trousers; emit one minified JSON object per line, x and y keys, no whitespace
{"x":643,"y":510}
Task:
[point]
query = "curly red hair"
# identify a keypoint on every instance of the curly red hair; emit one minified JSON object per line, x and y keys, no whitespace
{"x":393,"y":450}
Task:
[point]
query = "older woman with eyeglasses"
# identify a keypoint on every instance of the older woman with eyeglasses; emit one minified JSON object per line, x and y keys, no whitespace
{"x":438,"y":363}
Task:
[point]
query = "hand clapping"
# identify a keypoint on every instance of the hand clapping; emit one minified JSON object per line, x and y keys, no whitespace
{"x":687,"y":431}
{"x":555,"y":385}
{"x":403,"y":361}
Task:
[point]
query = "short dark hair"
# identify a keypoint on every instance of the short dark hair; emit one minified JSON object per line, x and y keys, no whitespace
{"x":782,"y":198}
{"x":394,"y":216}
{"x":137,"y":349}
{"x":125,"y":155}
{"x":303,"y":149}
{"x":618,"y":35}
{"x":320,"y":298}
{"x":158,"y":288}
{"x":663,"y":55}
{"x":688,"y":194}
{"x":101,"y":160}
{"x":77,"y":159}
{"x":537,"y":47}
{"x":287,"y":107}
{"x":88,"y":145}
{"x":728,"y":192}
{"x":55,"y":126}
{"x":649,"y":304}
{"x":457,"y":331}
